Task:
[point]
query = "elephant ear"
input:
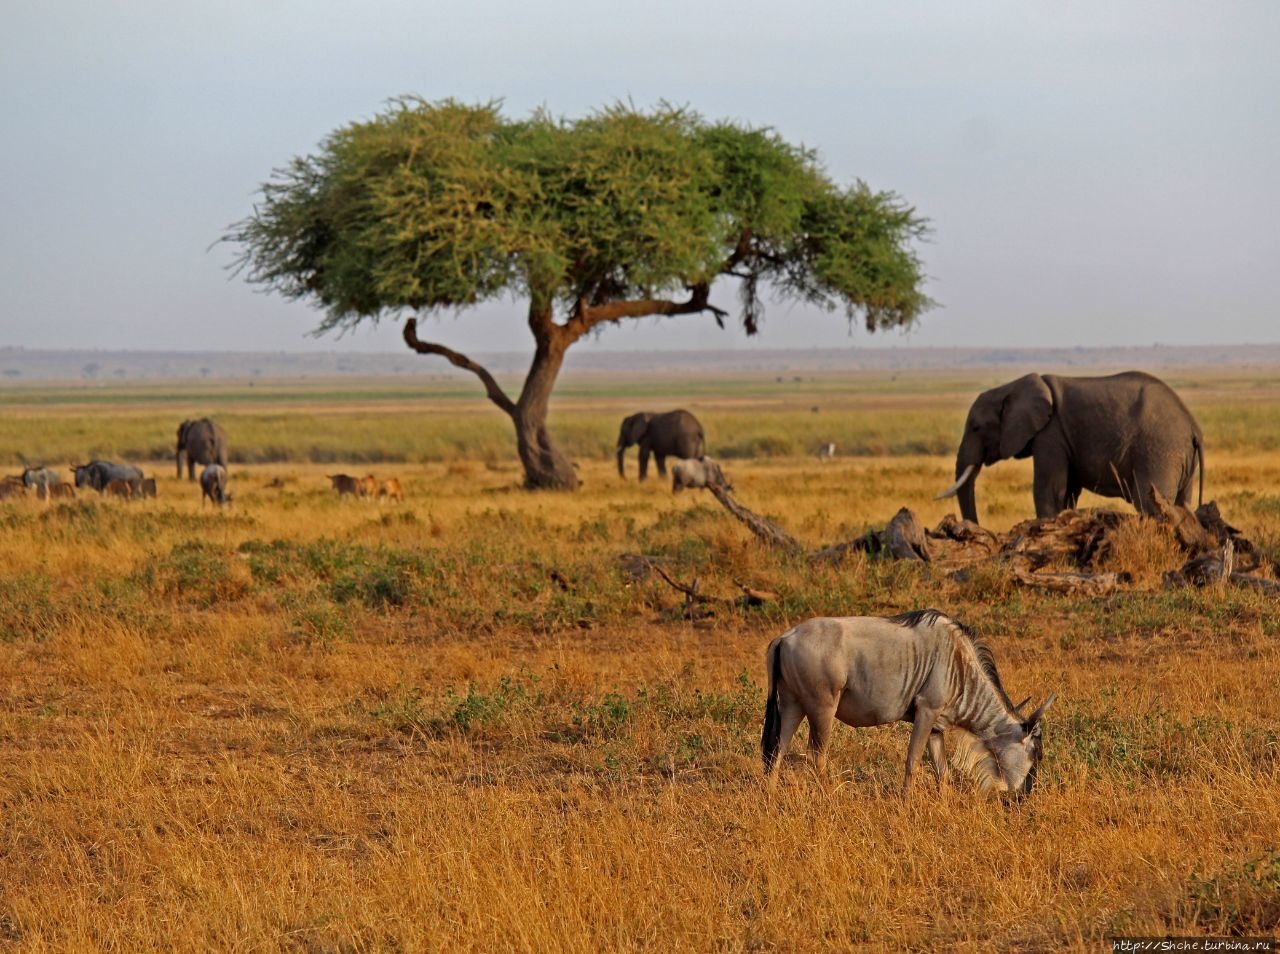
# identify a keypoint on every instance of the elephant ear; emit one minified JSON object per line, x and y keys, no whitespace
{"x":636,"y":425}
{"x":1028,"y":406}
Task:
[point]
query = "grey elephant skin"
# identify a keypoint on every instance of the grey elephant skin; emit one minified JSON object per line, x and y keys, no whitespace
{"x":1116,"y":436}
{"x":673,"y":434}
{"x":97,"y":474}
{"x":203,"y":442}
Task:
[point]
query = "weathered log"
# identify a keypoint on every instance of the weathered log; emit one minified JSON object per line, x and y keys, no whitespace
{"x":1193,"y":537}
{"x":764,"y":529}
{"x":1248,"y":557}
{"x":754,"y":597}
{"x":904,"y":538}
{"x":1073,"y":536}
{"x":1091,"y":584}
{"x":1270,"y":587}
{"x":965,"y":532}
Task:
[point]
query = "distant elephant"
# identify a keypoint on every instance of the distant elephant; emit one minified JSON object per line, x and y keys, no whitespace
{"x":1117,"y":436}
{"x":204,"y":442}
{"x":673,"y":434}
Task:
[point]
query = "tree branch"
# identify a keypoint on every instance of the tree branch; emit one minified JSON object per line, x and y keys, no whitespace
{"x":586,"y":316}
{"x":491,"y":387}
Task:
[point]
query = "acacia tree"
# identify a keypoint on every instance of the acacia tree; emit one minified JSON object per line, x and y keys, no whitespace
{"x":436,"y":206}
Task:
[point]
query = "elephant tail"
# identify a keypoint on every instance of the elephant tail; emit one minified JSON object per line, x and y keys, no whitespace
{"x":1199,"y":446}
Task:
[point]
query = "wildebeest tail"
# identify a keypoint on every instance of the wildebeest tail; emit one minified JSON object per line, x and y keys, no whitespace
{"x":771,"y":734}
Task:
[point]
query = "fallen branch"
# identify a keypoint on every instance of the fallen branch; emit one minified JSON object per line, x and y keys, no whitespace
{"x":764,"y":529}
{"x":1216,"y":551}
{"x":1090,"y":584}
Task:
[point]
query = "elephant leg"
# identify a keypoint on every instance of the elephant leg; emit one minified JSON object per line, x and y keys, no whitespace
{"x":1143,"y":499}
{"x":1049,"y":485}
{"x":1073,"y":495}
{"x":661,"y":460}
{"x":644,"y":462}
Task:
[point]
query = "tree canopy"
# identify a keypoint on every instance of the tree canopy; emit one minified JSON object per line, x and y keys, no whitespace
{"x":436,"y":206}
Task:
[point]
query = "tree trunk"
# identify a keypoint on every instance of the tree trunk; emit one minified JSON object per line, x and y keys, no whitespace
{"x":545,"y":467}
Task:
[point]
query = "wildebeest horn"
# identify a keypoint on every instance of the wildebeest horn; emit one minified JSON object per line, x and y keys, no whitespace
{"x":1032,"y":719}
{"x":955,"y":488}
{"x":1018,"y":707}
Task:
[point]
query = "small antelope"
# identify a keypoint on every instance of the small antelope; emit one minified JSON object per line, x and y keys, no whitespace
{"x":919,"y":667}
{"x":119,"y":488}
{"x":12,"y":487}
{"x":827,"y":452}
{"x":148,"y":488}
{"x":368,"y":486}
{"x":391,"y":490}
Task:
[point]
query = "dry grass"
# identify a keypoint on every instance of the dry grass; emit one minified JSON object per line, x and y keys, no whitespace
{"x":305,"y":724}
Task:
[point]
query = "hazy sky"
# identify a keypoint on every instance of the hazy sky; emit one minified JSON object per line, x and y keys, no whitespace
{"x":1096,"y":172}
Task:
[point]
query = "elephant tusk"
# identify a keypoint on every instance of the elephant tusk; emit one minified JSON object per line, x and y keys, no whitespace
{"x":955,"y":488}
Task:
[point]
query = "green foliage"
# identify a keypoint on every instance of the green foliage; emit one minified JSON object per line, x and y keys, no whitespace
{"x":379,"y":578}
{"x":1239,"y":901}
{"x":27,"y":610}
{"x":439,"y":205}
{"x":194,"y":571}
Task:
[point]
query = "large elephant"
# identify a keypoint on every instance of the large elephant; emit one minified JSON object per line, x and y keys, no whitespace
{"x":673,"y":434}
{"x":204,"y":442}
{"x":1117,"y":436}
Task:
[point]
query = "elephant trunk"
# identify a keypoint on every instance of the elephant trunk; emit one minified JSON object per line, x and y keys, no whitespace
{"x":966,"y":475}
{"x":179,"y":456}
{"x":621,"y":449}
{"x":965,"y":494}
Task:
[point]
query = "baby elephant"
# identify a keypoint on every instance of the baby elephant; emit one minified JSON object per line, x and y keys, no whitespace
{"x":697,"y":473}
{"x":213,"y":485}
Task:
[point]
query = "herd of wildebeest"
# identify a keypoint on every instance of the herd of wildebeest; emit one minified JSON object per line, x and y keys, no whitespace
{"x":1124,"y":435}
{"x":201,"y":443}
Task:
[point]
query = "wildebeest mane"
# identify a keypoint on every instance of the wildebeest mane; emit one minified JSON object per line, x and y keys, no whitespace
{"x":986,"y":660}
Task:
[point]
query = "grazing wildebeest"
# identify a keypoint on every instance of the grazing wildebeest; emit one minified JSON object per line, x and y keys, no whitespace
{"x":118,"y":488}
{"x":919,"y":667}
{"x":368,"y":486}
{"x":345,"y":484}
{"x":97,"y":474}
{"x":41,"y":478}
{"x":391,"y":490}
{"x":213,"y":485}
{"x":697,"y":473}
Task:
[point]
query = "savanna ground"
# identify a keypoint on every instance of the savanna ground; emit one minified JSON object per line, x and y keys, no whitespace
{"x":306,"y":724}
